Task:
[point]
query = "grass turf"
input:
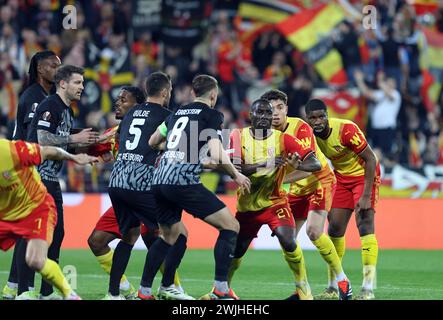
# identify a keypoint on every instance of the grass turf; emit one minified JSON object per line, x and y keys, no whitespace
{"x":264,"y":275}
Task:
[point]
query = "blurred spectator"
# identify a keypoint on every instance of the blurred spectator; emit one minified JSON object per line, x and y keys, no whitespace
{"x":387,"y":102}
{"x":346,"y":42}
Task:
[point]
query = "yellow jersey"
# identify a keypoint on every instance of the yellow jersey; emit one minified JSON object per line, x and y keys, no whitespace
{"x":266,"y":182}
{"x":342,"y":147}
{"x":21,"y":189}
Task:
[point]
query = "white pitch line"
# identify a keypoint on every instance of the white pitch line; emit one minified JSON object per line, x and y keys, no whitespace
{"x":270,"y":284}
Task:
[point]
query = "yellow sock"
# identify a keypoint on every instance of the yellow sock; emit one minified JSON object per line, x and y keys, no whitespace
{"x":340,"y":246}
{"x":105,"y":262}
{"x":328,"y":253}
{"x":369,"y":255}
{"x":235,"y":264}
{"x":51,"y":272}
{"x":296,"y":263}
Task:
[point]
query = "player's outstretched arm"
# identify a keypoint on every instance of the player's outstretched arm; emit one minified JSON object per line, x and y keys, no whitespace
{"x":309,"y":164}
{"x":55,"y":153}
{"x":85,"y":137}
{"x":157,"y":140}
{"x":296,"y":176}
{"x":219,"y":156}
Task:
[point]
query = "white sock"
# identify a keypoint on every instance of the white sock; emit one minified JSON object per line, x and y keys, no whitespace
{"x":341,"y":276}
{"x":12,"y":285}
{"x":145,"y":291}
{"x":125,"y":285}
{"x":221,"y":286}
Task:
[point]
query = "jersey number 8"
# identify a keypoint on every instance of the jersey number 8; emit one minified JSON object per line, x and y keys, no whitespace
{"x":176,"y":132}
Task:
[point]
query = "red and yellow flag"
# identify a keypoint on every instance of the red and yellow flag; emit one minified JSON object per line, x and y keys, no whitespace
{"x":309,"y":31}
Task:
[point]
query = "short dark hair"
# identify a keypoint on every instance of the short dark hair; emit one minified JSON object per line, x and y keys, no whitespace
{"x":259,"y":102}
{"x":314,"y":105}
{"x":275,"y":94}
{"x":65,"y":73}
{"x":156,"y":82}
{"x":203,"y":83}
{"x":35,"y":61}
{"x":136,"y":92}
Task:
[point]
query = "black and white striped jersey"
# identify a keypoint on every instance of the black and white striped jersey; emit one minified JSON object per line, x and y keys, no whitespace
{"x":135,"y":161}
{"x":189,"y":130}
{"x":52,"y":115}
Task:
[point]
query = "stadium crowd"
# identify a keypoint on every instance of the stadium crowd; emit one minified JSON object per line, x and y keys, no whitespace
{"x":405,"y":130}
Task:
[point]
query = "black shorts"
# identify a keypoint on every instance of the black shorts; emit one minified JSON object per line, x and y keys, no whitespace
{"x":195,"y":199}
{"x":133,"y":207}
{"x":55,"y":191}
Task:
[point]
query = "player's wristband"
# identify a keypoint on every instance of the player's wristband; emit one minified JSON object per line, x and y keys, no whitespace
{"x":163,"y":129}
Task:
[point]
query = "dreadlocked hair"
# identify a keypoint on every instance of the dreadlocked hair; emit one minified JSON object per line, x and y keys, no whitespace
{"x":35,"y":60}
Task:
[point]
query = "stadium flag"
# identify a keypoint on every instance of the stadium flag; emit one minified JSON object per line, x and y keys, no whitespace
{"x":345,"y":104}
{"x":105,"y":78}
{"x":415,"y":160}
{"x":424,"y":6}
{"x":309,"y":31}
{"x":432,"y":66}
{"x":429,"y":90}
{"x":267,"y":11}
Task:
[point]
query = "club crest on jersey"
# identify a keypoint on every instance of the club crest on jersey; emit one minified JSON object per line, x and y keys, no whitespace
{"x":46,"y":116}
{"x":338,"y":148}
{"x":6,"y":175}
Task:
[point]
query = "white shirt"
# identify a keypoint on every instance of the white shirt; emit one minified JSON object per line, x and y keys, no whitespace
{"x":385,"y":111}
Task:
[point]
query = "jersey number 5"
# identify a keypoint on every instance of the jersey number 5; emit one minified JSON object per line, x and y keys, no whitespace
{"x":136,"y":132}
{"x":176,"y":132}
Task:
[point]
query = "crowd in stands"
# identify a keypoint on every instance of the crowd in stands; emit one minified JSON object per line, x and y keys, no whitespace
{"x":382,"y":63}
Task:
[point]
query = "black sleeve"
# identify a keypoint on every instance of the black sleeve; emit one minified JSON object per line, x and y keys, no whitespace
{"x":47,"y":118}
{"x":214,"y":122}
{"x":19,"y":132}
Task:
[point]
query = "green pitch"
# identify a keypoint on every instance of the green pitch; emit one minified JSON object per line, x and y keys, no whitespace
{"x":402,"y":274}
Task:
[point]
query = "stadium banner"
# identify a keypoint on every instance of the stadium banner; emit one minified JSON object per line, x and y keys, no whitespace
{"x":146,"y":16}
{"x":400,"y":224}
{"x":183,"y":21}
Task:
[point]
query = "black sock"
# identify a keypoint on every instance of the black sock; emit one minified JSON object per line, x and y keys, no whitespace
{"x":120,"y":260}
{"x":173,"y":260}
{"x":154,"y":258}
{"x":13,"y":276}
{"x":223,"y":253}
{"x":23,"y":271}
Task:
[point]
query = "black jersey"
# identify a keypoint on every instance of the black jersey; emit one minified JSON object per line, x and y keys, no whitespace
{"x":135,"y":161}
{"x":27,"y":104}
{"x":55,"y":116}
{"x":189,"y":130}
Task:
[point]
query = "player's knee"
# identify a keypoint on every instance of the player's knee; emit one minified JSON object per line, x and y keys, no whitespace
{"x":288,"y":244}
{"x":235,"y":225}
{"x":95,"y":243}
{"x":314,"y":232}
{"x":336,"y":229}
{"x":35,"y":262}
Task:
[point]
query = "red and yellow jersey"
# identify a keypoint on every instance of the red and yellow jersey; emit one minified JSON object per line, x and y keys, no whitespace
{"x":111,"y":144}
{"x":21,"y":189}
{"x":343,"y":146}
{"x":266,"y":182}
{"x":300,"y":130}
